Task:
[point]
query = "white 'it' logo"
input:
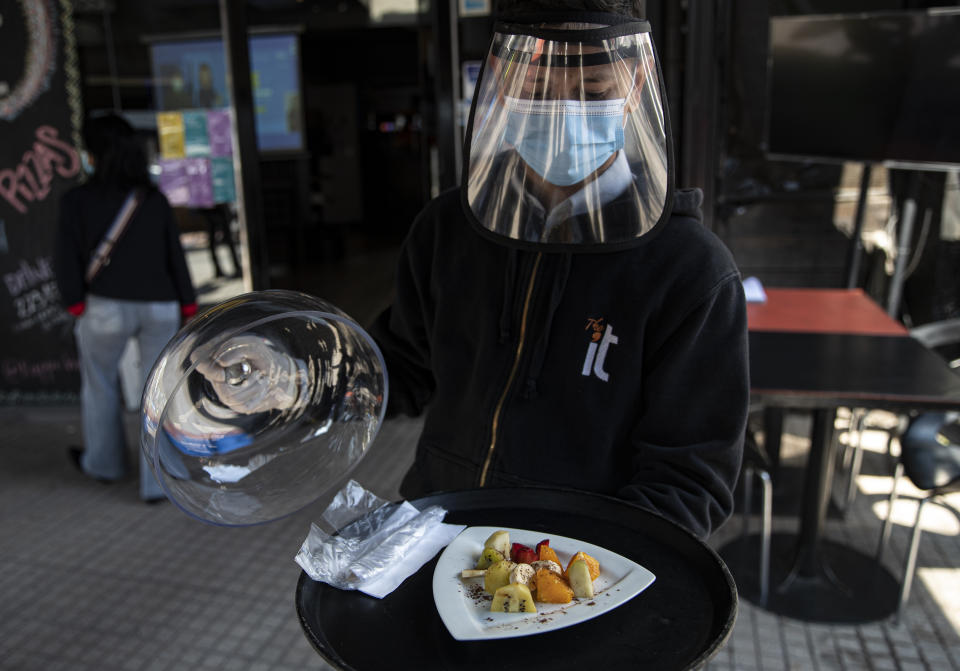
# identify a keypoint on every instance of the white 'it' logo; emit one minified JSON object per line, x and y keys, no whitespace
{"x":600,"y":340}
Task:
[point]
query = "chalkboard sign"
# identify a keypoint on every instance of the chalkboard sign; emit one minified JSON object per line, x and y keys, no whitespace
{"x":40,"y":119}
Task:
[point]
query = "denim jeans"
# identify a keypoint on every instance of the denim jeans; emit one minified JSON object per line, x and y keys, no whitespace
{"x":102,"y":333}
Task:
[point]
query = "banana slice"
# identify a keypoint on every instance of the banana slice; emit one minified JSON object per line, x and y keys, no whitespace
{"x":522,"y":574}
{"x":548,"y":564}
{"x":473,"y":573}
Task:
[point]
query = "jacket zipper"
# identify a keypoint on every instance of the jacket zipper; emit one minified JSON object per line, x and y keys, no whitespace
{"x":513,"y":372}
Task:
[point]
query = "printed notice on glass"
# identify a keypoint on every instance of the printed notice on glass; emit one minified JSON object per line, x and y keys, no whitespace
{"x":172,"y":135}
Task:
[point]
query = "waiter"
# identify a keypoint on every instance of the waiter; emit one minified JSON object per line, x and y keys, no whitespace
{"x":563,"y":317}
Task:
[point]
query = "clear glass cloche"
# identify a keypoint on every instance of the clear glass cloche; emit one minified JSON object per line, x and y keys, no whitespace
{"x":260,"y":405}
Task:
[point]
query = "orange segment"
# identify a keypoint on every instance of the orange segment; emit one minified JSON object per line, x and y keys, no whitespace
{"x":552,"y":588}
{"x":548,"y":553}
{"x":592,"y":564}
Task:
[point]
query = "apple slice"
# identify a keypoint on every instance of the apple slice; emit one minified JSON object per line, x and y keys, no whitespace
{"x":499,"y":541}
{"x":578,"y":573}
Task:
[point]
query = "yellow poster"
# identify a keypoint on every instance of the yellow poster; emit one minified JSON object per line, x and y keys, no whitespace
{"x":172,"y":136}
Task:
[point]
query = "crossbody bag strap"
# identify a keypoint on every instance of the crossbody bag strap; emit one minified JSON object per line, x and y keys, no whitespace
{"x":101,"y":256}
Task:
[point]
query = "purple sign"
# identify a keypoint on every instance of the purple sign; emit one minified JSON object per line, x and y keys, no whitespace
{"x":219,"y":132}
{"x":187,"y":182}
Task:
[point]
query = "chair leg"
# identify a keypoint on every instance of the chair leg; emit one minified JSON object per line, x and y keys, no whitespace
{"x":854,"y":425}
{"x":853,"y":472}
{"x":895,"y":434}
{"x":767,"y":523}
{"x":911,"y":565}
{"x":885,"y":532}
{"x":747,"y":499}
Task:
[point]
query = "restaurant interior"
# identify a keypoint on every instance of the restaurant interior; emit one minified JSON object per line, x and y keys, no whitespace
{"x":842,"y":212}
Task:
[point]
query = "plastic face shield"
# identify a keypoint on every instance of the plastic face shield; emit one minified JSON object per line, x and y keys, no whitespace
{"x":568,"y":140}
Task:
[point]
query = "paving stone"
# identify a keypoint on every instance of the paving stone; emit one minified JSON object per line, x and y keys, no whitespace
{"x":846,"y":643}
{"x":877,"y":647}
{"x":771,"y":660}
{"x":899,"y":635}
{"x":883,"y":663}
{"x":935,"y":658}
{"x":829,"y":664}
{"x":872,"y":632}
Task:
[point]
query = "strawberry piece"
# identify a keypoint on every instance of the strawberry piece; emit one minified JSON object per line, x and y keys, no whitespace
{"x":523,"y":554}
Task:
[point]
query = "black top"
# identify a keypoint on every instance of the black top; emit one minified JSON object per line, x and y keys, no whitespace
{"x":622,"y":373}
{"x":147,"y":263}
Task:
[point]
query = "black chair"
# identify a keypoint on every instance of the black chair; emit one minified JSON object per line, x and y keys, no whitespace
{"x":851,"y":454}
{"x":930,"y":458}
{"x":941,"y":336}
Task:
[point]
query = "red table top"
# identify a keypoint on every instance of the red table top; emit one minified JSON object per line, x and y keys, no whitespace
{"x":848,"y":311}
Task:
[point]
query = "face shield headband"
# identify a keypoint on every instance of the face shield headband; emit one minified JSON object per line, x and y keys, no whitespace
{"x":568,"y":144}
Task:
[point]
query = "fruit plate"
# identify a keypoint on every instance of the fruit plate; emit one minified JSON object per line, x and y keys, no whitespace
{"x":465,"y":608}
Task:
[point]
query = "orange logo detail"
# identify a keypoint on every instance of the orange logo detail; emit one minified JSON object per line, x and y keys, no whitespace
{"x":595,"y":325}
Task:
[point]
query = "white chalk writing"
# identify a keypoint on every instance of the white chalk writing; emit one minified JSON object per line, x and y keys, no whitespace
{"x":39,"y":307}
{"x":27,"y":276}
{"x":29,"y":182}
{"x":19,"y":370}
{"x":36,"y":298}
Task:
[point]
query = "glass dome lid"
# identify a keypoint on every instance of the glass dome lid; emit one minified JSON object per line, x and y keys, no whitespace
{"x":261,"y":405}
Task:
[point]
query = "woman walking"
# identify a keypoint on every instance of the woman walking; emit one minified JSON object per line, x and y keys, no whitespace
{"x":122,"y":272}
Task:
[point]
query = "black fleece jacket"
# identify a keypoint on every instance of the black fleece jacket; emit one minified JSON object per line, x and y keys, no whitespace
{"x":147,"y":263}
{"x":623,"y":373}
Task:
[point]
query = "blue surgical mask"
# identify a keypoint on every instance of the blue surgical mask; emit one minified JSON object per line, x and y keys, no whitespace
{"x":565,"y":141}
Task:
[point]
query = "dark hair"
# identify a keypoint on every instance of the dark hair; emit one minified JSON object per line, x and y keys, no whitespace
{"x":120,"y":158}
{"x":634,"y":8}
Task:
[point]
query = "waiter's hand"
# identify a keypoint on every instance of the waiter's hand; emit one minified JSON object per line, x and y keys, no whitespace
{"x":250,"y":376}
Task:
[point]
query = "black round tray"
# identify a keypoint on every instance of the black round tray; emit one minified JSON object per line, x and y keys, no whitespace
{"x":679,"y":622}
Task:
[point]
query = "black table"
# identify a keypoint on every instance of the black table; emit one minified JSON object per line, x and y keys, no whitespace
{"x":679,"y":622}
{"x":813,"y":578}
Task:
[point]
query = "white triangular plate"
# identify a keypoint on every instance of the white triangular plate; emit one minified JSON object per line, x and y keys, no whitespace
{"x":465,"y":610}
